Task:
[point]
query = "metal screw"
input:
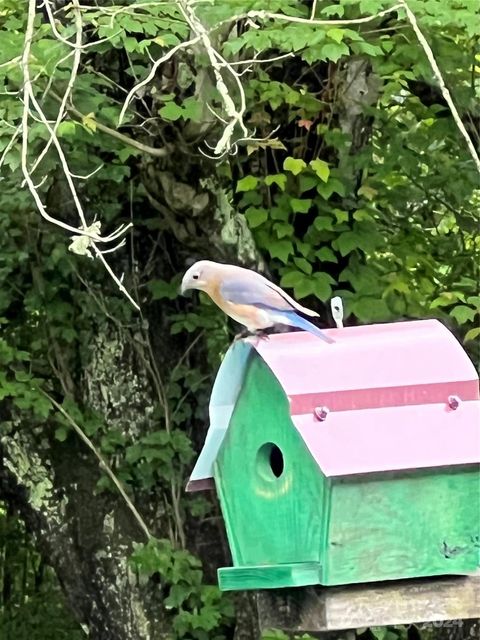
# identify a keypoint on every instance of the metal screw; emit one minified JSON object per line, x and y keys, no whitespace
{"x":321,"y":413}
{"x":453,"y":402}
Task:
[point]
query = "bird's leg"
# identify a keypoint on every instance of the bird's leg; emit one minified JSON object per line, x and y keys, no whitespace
{"x":263,"y":335}
{"x":243,"y":334}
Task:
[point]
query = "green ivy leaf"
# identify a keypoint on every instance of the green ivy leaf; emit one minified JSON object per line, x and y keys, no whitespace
{"x":334,"y":51}
{"x":335,"y":34}
{"x":323,"y":223}
{"x":321,"y":168}
{"x":333,"y":186}
{"x":325,"y":254}
{"x":369,"y":309}
{"x":291,"y":279}
{"x":256,"y":216}
{"x":304,"y":265}
{"x":171,"y":111}
{"x":473,"y":334}
{"x":346,"y":242}
{"x":281,"y":249}
{"x":304,"y":288}
{"x":300,"y":205}
{"x":283,"y":229}
{"x":280,"y":179}
{"x":322,"y":286}
{"x":294,"y":165}
{"x":248,"y":183}
{"x":462,"y":313}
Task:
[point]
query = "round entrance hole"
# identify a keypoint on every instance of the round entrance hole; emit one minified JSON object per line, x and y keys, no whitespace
{"x":270,"y":462}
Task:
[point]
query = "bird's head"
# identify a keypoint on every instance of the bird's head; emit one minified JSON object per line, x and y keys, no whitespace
{"x":198,"y":276}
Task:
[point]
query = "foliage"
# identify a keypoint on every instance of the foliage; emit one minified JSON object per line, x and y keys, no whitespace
{"x":355,"y":183}
{"x":31,"y":603}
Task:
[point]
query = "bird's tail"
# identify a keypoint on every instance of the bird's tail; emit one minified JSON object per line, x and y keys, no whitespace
{"x":294,"y":320}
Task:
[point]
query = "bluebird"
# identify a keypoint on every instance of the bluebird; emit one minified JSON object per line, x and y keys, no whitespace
{"x":249,"y":298}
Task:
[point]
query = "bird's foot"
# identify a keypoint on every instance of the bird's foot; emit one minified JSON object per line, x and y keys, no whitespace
{"x":243,"y":334}
{"x":258,"y":333}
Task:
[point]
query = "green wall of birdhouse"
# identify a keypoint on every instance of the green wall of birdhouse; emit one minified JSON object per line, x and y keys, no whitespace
{"x":289,"y":525}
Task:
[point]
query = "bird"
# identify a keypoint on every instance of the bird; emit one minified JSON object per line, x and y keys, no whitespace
{"x":249,"y":298}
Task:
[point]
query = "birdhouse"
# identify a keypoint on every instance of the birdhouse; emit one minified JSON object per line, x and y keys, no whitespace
{"x":350,"y":462}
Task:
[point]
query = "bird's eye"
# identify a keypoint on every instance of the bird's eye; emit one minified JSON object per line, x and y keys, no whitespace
{"x":195,"y":277}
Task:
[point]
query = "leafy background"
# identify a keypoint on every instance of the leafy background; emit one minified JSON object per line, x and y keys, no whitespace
{"x":357,"y":183}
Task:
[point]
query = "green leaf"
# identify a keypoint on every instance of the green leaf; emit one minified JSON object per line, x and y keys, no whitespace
{"x":333,"y":10}
{"x":306,"y":183}
{"x":323,"y":223}
{"x":171,"y":111}
{"x":463,"y":314}
{"x":294,"y":165}
{"x":369,"y":309}
{"x":304,"y":265}
{"x":248,"y":183}
{"x":300,"y":205}
{"x":334,"y":51}
{"x":66,"y":129}
{"x":291,"y":279}
{"x":304,"y":288}
{"x":473,"y":334}
{"x":283,"y":229}
{"x":333,"y":186}
{"x":346,"y":242}
{"x":256,"y":216}
{"x":447,"y":298}
{"x":335,"y":34}
{"x":321,"y":168}
{"x":325,"y":254}
{"x":281,"y":249}
{"x":280,"y":179}
{"x":322,"y":286}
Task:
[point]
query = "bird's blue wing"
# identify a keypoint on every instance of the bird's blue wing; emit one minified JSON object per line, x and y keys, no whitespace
{"x":254,"y":292}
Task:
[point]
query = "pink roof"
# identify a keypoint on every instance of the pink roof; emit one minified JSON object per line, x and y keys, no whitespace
{"x":386,"y":388}
{"x":371,"y":366}
{"x":389,"y":439}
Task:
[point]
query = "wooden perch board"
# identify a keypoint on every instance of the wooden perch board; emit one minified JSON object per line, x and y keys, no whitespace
{"x":317,"y":609}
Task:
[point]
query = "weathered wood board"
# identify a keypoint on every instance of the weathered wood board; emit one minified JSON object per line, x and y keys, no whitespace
{"x":317,"y":609}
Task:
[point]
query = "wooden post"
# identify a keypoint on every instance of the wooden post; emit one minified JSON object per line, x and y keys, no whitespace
{"x":317,"y":609}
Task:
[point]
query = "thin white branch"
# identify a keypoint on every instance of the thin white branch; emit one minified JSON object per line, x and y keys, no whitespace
{"x":99,"y":255}
{"x":218,"y":62}
{"x":10,"y":144}
{"x":11,"y":62}
{"x":151,"y":75}
{"x":443,"y":88}
{"x":103,"y":463}
{"x":89,"y":175}
{"x":267,"y":15}
{"x":88,"y":235}
{"x":262,"y":60}
{"x":73,"y":75}
{"x":58,"y":35}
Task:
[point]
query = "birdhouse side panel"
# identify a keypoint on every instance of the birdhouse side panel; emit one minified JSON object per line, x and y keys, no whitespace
{"x":270,"y":489}
{"x":403,"y":525}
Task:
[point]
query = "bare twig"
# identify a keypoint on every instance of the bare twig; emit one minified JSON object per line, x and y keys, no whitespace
{"x":87,"y":235}
{"x":267,"y":15}
{"x":151,"y":75}
{"x":103,"y":463}
{"x":71,"y":81}
{"x":443,"y":88}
